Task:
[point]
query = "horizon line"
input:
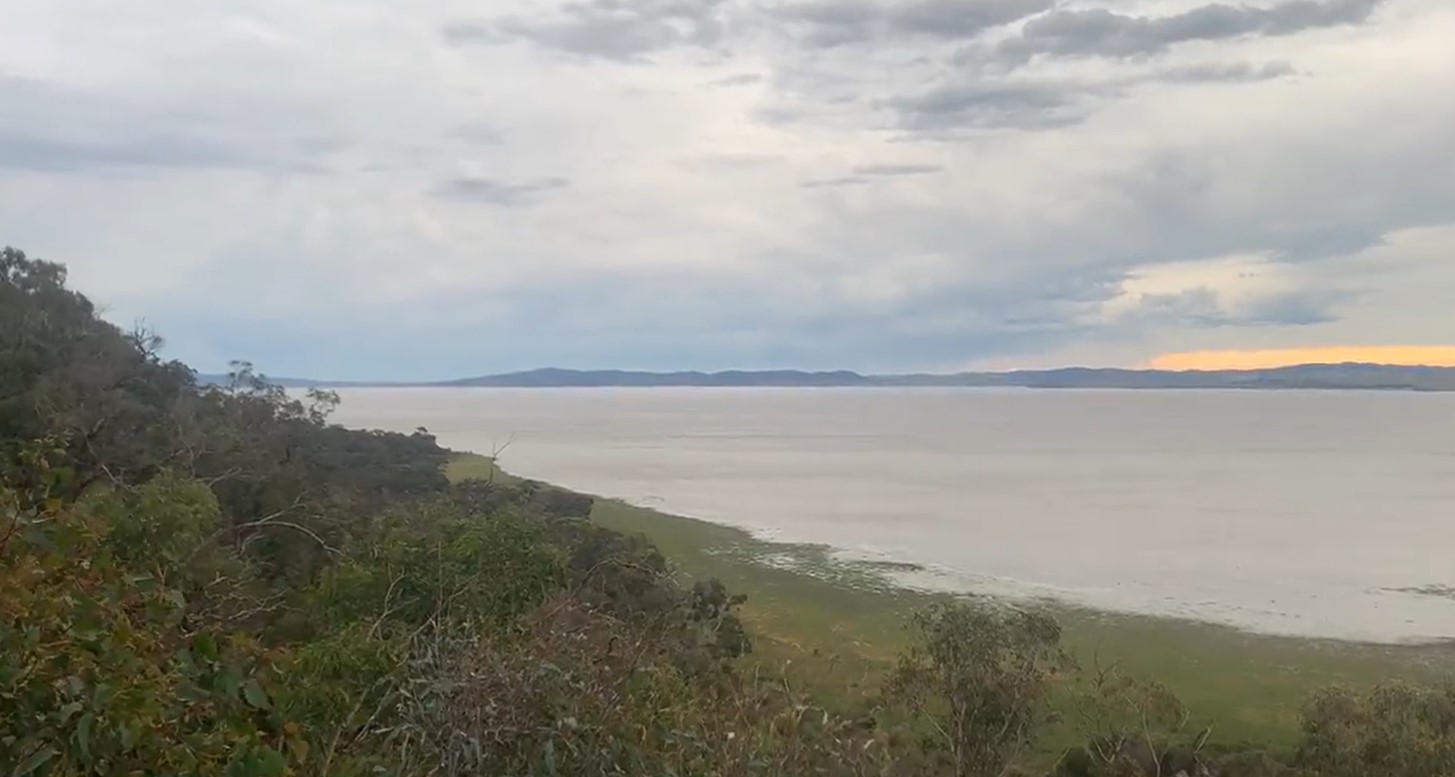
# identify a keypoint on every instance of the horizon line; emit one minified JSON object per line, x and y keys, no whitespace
{"x":844,"y":371}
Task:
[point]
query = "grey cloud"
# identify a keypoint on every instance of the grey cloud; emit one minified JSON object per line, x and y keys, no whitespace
{"x":943,"y":325}
{"x":1303,"y":308}
{"x":1223,"y":73}
{"x":467,"y":33}
{"x":1193,"y":307}
{"x":681,"y":324}
{"x":1043,"y":235}
{"x":493,"y":192}
{"x":741,"y":79}
{"x":1202,"y":307}
{"x":1182,"y":210}
{"x":1105,"y":33}
{"x":785,"y":115}
{"x":731,"y":161}
{"x":830,"y":23}
{"x":989,"y":102}
{"x":140,"y":149}
{"x":479,"y":133}
{"x":897,"y":169}
{"x":830,"y":183}
{"x":76,"y":131}
{"x":54,"y":154}
{"x":621,"y":30}
{"x":992,"y":104}
{"x":866,"y":174}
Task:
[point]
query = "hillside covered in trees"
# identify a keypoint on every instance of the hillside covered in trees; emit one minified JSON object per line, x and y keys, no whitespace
{"x":203,"y":578}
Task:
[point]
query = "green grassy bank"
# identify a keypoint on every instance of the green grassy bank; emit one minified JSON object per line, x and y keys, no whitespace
{"x":839,"y":625}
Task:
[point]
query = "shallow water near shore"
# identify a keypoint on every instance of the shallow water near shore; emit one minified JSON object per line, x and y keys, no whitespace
{"x":1322,"y":514}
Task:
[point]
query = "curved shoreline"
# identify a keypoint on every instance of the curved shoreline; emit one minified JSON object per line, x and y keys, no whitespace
{"x":839,"y":623}
{"x":873,"y":568}
{"x":1222,"y":508}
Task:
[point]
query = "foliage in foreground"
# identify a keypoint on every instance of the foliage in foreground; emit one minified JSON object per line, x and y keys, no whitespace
{"x":212,"y":580}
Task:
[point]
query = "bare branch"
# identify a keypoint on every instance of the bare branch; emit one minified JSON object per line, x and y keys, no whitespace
{"x":267,"y":521}
{"x":290,"y":525}
{"x":387,"y":607}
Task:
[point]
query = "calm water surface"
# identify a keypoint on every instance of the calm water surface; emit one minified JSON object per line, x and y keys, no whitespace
{"x":1314,"y":513}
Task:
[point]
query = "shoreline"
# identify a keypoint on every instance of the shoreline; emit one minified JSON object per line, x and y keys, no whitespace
{"x":838,"y":622}
{"x":872,"y":570}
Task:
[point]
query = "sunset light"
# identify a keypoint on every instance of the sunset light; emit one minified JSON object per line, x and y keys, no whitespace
{"x":1404,"y":355}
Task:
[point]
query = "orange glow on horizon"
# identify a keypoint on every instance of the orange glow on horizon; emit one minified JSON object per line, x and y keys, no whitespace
{"x":1403,"y":355}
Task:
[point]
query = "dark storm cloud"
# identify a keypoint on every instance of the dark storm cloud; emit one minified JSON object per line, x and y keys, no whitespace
{"x":830,"y":23}
{"x":494,"y":192}
{"x":608,"y":29}
{"x":1105,"y":33}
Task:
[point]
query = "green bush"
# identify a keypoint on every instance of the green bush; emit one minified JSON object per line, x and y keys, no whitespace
{"x":977,"y":679}
{"x":100,"y":674}
{"x":1391,"y":731}
{"x":432,"y":562}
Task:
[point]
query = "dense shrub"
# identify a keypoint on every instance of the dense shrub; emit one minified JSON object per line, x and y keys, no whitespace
{"x":978,"y":677}
{"x":1392,"y":731}
{"x":101,"y":671}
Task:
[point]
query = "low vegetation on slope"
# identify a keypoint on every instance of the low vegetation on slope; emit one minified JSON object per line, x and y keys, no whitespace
{"x":212,"y":580}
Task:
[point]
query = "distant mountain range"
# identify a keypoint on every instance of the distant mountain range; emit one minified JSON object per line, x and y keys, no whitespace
{"x":1305,"y":376}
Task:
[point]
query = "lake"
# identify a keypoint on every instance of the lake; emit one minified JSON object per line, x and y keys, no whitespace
{"x":1311,"y":513}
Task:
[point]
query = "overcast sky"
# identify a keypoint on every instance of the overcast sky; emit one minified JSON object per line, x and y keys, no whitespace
{"x":436,"y":188}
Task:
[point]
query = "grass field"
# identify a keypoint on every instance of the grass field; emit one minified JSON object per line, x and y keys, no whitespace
{"x":839,"y":626}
